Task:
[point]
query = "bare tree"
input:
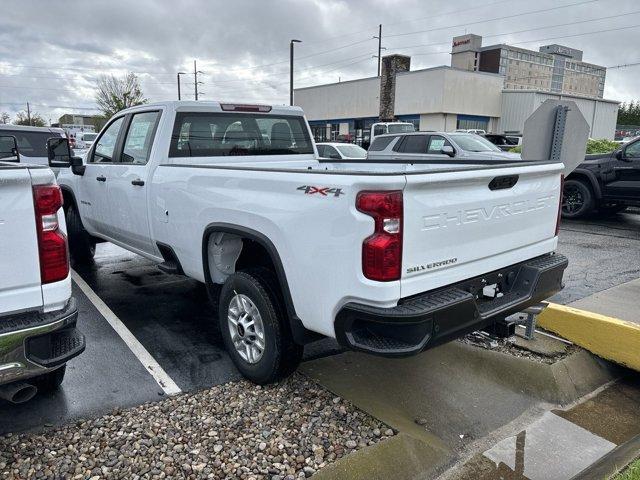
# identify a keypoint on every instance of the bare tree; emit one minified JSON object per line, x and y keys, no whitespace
{"x":36,"y":120}
{"x":118,"y":93}
{"x":4,"y":118}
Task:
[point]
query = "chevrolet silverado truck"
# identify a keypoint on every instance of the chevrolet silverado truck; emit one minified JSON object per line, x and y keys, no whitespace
{"x":37,"y":313}
{"x":389,"y":259}
{"x":606,"y":182}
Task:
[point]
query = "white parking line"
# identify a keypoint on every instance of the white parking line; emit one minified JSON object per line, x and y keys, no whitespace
{"x":141,"y":353}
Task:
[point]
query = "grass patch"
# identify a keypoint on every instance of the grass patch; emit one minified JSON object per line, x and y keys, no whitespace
{"x":632,"y":472}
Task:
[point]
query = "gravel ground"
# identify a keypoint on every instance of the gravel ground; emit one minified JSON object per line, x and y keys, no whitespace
{"x":235,"y":430}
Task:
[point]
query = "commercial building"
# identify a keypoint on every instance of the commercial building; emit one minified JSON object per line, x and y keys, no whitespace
{"x":462,"y":96}
{"x":84,"y":123}
{"x":554,"y":68}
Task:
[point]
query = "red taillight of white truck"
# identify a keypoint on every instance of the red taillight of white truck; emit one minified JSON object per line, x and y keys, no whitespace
{"x":52,"y":243}
{"x":560,"y":205}
{"x":382,"y":251}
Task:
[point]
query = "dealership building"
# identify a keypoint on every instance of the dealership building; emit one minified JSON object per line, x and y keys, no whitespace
{"x":447,"y":98}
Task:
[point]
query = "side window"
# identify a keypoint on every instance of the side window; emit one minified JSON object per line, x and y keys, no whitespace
{"x":415,"y":144}
{"x":137,"y":144}
{"x":320,"y":150}
{"x":632,"y":150}
{"x":436,"y":142}
{"x":106,"y":145}
{"x":331,"y":152}
{"x":381,"y":143}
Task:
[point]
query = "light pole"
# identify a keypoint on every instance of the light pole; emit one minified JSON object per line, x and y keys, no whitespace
{"x":178,"y":75}
{"x":291,"y":69}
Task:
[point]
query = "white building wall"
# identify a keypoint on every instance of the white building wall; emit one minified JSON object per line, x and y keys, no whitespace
{"x":601,"y":115}
{"x":355,"y":99}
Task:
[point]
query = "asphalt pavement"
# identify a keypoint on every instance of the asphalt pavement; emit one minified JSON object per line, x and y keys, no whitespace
{"x":171,"y":317}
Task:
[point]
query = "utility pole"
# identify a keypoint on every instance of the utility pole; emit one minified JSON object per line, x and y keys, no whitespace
{"x":195,"y":80}
{"x":28,"y":114}
{"x":379,"y":37}
{"x":291,"y":69}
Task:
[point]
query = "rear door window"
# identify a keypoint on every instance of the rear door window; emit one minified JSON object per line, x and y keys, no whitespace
{"x":380,"y":143}
{"x":414,"y":144}
{"x":204,"y":134}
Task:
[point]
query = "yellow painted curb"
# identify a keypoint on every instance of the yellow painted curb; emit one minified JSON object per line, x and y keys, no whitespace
{"x":608,"y":337}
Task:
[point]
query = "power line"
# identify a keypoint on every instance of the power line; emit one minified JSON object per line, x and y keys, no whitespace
{"x":515,"y":32}
{"x":492,"y":19}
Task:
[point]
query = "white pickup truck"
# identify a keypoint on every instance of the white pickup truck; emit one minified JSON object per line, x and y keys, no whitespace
{"x":37,"y":313}
{"x":389,"y":259}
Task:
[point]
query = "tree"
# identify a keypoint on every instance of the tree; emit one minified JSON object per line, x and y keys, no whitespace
{"x":23,"y":119}
{"x":4,"y":118}
{"x":115,"y":94}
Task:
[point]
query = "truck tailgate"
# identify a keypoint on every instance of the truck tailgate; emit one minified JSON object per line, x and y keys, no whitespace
{"x":463,"y":224}
{"x":19,"y":266}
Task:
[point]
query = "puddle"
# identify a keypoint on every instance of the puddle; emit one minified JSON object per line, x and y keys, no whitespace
{"x":562,"y":443}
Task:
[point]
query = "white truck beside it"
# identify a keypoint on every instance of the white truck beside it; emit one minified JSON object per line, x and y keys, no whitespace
{"x":389,"y":259}
{"x":37,"y":313}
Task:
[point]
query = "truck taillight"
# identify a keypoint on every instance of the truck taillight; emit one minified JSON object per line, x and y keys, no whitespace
{"x":560,"y":205}
{"x":382,"y":251}
{"x":52,"y":243}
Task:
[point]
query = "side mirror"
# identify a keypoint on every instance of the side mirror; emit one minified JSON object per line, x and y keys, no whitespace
{"x":447,"y":150}
{"x":59,"y":152}
{"x":9,"y":149}
{"x":77,"y":167}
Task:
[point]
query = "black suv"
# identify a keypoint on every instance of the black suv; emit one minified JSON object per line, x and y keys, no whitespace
{"x":606,"y":182}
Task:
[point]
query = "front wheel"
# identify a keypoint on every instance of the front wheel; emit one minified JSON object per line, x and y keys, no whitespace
{"x":577,"y":199}
{"x":254,"y":327}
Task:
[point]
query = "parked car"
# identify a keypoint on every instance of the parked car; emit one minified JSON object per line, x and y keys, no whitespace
{"x":32,"y":141}
{"x":85,"y":140}
{"x":429,"y":146}
{"x":606,"y":182}
{"x":38,"y":333}
{"x":338,"y":151}
{"x":477,"y":131}
{"x":382,"y":128}
{"x":503,"y":142}
{"x":388,"y":259}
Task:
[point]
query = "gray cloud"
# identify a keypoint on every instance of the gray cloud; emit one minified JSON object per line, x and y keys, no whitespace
{"x":53,"y":55}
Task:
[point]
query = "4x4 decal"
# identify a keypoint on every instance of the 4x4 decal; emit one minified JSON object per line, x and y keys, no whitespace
{"x":325,"y":191}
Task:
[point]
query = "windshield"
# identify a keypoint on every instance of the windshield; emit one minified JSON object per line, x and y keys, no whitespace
{"x":474,"y":143}
{"x":401,"y":128}
{"x":352,"y":151}
{"x":89,"y":137}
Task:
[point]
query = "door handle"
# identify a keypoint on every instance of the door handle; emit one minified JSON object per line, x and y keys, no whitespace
{"x":101,"y":178}
{"x":137,"y":182}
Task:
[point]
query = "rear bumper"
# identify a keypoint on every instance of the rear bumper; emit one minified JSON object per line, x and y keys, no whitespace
{"x":432,"y":318}
{"x":34,"y":343}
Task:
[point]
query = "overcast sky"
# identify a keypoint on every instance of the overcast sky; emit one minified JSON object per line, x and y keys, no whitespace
{"x":51,"y":55}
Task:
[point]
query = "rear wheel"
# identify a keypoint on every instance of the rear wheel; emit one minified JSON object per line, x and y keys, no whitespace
{"x":577,"y":199}
{"x":81,"y":245}
{"x":50,"y":381}
{"x":254,"y":327}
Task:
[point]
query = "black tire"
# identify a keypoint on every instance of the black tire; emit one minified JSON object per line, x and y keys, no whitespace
{"x":577,"y":199}
{"x":81,"y":245}
{"x":281,"y":355}
{"x":50,"y":381}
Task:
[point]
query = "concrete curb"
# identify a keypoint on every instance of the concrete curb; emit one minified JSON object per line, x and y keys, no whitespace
{"x":608,"y":337}
{"x":612,"y":463}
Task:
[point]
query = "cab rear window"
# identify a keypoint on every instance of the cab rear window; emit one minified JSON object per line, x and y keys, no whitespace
{"x":204,"y":134}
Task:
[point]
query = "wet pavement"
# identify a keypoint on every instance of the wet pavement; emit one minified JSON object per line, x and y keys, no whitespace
{"x":562,"y":443}
{"x":172,"y":318}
